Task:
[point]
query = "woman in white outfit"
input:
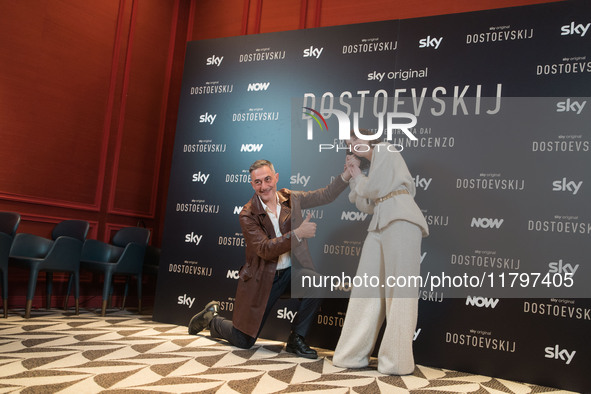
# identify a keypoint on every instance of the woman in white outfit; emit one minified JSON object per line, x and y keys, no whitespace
{"x":392,"y":249}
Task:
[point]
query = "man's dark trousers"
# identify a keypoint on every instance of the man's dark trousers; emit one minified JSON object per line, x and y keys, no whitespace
{"x":223,"y":328}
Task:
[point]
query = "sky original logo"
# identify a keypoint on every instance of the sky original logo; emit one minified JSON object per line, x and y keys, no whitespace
{"x":207,"y":118}
{"x":313,"y":52}
{"x":574,"y":29}
{"x":214,"y":61}
{"x":258,"y":86}
{"x":430,"y":42}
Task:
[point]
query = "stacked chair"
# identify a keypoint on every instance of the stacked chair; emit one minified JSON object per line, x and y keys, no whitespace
{"x":61,"y":253}
{"x":123,"y":257}
{"x":9,"y":222}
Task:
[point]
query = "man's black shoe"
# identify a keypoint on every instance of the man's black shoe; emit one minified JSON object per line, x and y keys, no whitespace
{"x":203,"y":318}
{"x":296,"y":345}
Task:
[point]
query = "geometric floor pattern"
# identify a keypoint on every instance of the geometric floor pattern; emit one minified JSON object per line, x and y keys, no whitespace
{"x":57,"y":352}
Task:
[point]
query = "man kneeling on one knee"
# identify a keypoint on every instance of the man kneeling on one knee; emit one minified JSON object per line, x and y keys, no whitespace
{"x":266,"y":222}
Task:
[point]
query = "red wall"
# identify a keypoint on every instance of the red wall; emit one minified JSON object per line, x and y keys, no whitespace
{"x":213,"y":19}
{"x":89,"y":94}
{"x":88,"y":101}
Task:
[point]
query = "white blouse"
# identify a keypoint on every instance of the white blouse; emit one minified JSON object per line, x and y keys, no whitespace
{"x":388,"y":172}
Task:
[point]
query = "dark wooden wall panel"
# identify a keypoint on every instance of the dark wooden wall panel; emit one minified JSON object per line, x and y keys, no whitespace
{"x":213,"y":19}
{"x":209,"y":20}
{"x":86,"y":118}
{"x":281,"y":15}
{"x":340,"y":12}
{"x":143,"y":108}
{"x":56,"y":63}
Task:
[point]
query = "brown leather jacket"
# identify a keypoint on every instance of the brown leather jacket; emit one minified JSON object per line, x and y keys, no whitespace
{"x":263,"y":248}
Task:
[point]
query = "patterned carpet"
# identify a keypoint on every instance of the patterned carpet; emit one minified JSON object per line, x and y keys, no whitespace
{"x":129,"y":353}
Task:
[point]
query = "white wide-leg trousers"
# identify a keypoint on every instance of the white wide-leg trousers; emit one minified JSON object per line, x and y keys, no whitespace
{"x":394,"y":251}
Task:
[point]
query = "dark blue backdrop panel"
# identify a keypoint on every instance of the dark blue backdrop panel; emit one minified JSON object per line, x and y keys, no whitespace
{"x":500,"y":165}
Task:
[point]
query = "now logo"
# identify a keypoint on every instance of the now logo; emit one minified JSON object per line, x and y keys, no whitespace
{"x":237,"y":210}
{"x":482,"y":302}
{"x":486,"y":223}
{"x":258,"y":86}
{"x":233,"y":274}
{"x":251,"y":147}
{"x":353,"y":216}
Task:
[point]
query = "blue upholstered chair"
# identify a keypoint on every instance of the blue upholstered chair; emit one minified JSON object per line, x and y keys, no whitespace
{"x":61,"y":253}
{"x":9,"y":222}
{"x":124,"y":256}
{"x":150,"y":267}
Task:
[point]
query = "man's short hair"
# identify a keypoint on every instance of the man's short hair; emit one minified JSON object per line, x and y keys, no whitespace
{"x":260,"y":163}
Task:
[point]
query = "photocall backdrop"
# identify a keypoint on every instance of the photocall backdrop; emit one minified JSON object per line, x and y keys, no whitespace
{"x":501,"y":167}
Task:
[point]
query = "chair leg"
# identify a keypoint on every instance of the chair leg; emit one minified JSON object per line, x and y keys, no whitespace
{"x":110,"y":302}
{"x":107,"y":289}
{"x":5,"y":292}
{"x":139,"y":293}
{"x":28,"y":306}
{"x":49,"y":288}
{"x":77,"y":290}
{"x":125,"y":292}
{"x":104,"y":308}
{"x":68,"y":292}
{"x":31,"y":289}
